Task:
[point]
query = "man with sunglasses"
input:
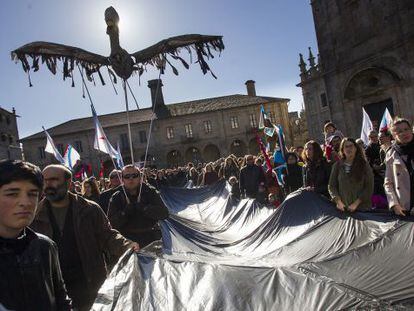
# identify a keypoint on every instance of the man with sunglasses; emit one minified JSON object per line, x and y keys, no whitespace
{"x":136,"y":216}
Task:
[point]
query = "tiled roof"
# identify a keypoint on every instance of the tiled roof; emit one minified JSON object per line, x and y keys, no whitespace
{"x":142,"y":115}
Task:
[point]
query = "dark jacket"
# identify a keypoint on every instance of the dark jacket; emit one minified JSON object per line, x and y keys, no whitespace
{"x":209,"y":178}
{"x":226,"y":171}
{"x":94,"y":237}
{"x":106,"y":196}
{"x":30,"y":276}
{"x":161,"y":182}
{"x":250,"y":178}
{"x":317,"y":176}
{"x":137,"y":221}
{"x":292,"y":178}
{"x":372,"y":153}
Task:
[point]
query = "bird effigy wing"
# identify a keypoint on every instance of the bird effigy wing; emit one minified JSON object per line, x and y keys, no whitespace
{"x":158,"y":54}
{"x":50,"y":53}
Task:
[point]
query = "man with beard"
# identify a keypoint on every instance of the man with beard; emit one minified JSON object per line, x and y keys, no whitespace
{"x":82,"y":232}
{"x":136,"y":215}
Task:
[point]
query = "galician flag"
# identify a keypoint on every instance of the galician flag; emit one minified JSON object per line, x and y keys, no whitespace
{"x":101,"y":143}
{"x":51,"y":148}
{"x":385,"y":121}
{"x":71,"y":157}
{"x":264,"y":120}
{"x":366,"y":127}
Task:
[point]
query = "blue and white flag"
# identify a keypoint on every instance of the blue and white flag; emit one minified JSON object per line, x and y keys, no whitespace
{"x":264,"y":120}
{"x":385,"y":121}
{"x":71,"y":157}
{"x":101,"y":142}
{"x":51,"y":148}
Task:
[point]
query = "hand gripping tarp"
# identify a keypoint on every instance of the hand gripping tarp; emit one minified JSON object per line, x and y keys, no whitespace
{"x":221,"y":254}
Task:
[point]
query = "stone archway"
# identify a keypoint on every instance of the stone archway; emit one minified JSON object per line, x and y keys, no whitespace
{"x":174,"y":158}
{"x":253,"y":147}
{"x":192,"y":154}
{"x":211,"y":153}
{"x":238,"y":148}
{"x":374,"y":89}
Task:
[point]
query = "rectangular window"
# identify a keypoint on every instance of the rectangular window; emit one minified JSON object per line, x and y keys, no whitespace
{"x":60,"y":149}
{"x":324,"y":100}
{"x":234,"y":122}
{"x":42,"y":152}
{"x":188,"y":130}
{"x":170,"y":132}
{"x":253,"y":122}
{"x":124,"y":141}
{"x":272,"y":117}
{"x":142,"y":137}
{"x":207,"y":126}
{"x":78,"y":146}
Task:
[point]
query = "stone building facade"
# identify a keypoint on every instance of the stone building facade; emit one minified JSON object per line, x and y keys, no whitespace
{"x":299,"y":128}
{"x":198,"y":131}
{"x":366,"y":59}
{"x":9,"y":135}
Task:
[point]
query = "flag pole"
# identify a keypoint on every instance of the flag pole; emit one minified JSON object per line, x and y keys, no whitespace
{"x":113,"y":161}
{"x":128,"y":121}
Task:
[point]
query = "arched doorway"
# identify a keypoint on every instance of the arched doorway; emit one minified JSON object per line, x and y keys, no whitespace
{"x":374,"y":89}
{"x":253,"y":147}
{"x":193,"y":155}
{"x":174,"y":158}
{"x":238,"y":148}
{"x":211,"y":153}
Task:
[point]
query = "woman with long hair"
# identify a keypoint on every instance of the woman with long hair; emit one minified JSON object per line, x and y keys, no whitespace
{"x":351,"y":184}
{"x":316,"y":170}
{"x":210,"y":176}
{"x":90,"y":190}
{"x":229,"y":168}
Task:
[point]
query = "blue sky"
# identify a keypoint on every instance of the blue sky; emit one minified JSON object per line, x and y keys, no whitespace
{"x":262,"y":39}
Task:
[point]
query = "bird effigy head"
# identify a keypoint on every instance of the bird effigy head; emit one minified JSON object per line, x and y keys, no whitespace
{"x":111,"y":16}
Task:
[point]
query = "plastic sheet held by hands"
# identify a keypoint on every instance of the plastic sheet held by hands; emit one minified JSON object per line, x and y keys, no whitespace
{"x":223,"y":254}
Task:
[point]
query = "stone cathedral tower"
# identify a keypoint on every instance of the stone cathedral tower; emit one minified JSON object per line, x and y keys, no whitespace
{"x":366,"y":59}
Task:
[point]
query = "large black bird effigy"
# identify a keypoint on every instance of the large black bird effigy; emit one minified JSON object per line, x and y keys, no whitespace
{"x":119,"y":63}
{"x":220,"y":254}
{"x":122,"y":63}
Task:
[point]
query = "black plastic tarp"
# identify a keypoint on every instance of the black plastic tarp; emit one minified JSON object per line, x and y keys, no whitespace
{"x":222,"y":254}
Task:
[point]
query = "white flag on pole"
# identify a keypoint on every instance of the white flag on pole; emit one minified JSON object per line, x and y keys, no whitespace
{"x":366,"y":127}
{"x":101,"y":142}
{"x":51,"y":148}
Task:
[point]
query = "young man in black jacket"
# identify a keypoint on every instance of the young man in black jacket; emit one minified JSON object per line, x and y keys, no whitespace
{"x":30,"y":275}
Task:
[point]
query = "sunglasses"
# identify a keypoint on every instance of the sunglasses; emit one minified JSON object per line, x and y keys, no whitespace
{"x":130,"y":176}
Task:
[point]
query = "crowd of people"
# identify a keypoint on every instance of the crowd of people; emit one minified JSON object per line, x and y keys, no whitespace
{"x":59,"y":238}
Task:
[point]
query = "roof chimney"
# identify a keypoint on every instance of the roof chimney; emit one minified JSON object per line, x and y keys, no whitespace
{"x":251,"y":90}
{"x":157,"y":98}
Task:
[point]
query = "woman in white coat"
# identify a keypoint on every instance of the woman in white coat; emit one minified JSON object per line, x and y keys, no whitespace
{"x":399,"y":172}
